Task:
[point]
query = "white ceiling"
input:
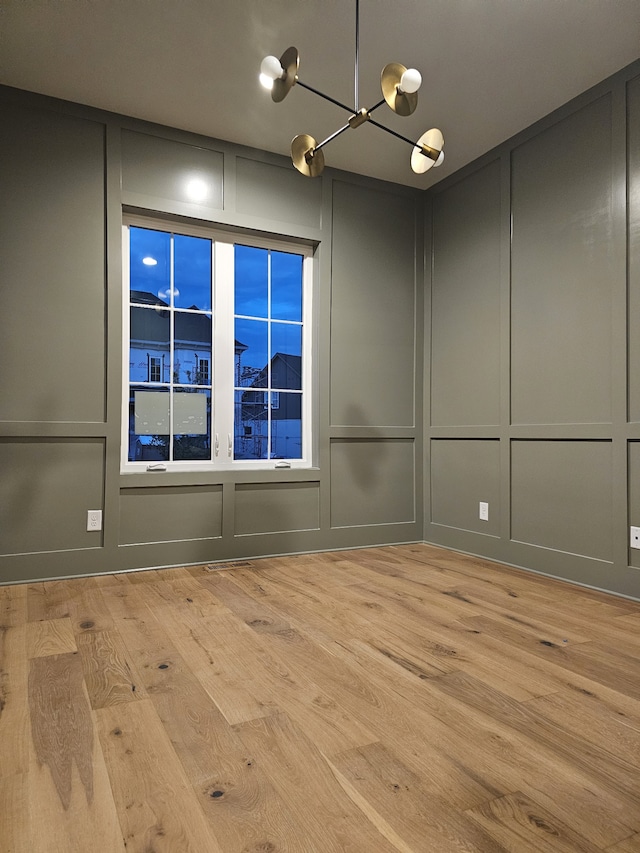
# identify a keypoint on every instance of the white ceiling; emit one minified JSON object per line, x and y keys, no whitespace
{"x":490,"y":67}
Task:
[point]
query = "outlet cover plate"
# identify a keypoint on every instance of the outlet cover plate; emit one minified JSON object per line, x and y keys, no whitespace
{"x":94,"y":520}
{"x":484,"y":511}
{"x":634,"y":537}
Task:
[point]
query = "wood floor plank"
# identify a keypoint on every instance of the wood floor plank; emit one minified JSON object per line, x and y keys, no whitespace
{"x":145,"y":638}
{"x":14,"y":811}
{"x":521,"y":825}
{"x":109,"y":673}
{"x":629,"y":845}
{"x":588,"y":601}
{"x":50,"y":637}
{"x":210,"y":751}
{"x":302,"y":776}
{"x":322,"y":617}
{"x":255,"y":613}
{"x":392,"y":795}
{"x":372,"y":697}
{"x":185,"y":594}
{"x":243,"y":809}
{"x":580,"y":752}
{"x":224,"y":652}
{"x":14,"y":707}
{"x":61,"y":725}
{"x":444,"y":639}
{"x":618,"y":732}
{"x":221,"y":657}
{"x":272,"y":681}
{"x":239,"y":801}
{"x":51,"y":599}
{"x":153,"y":798}
{"x":563,"y":623}
{"x":613,"y":668}
{"x":13,"y":606}
{"x":70,"y":801}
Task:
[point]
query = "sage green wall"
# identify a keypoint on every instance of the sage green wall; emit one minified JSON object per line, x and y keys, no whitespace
{"x":479,"y":342}
{"x":533,"y":350}
{"x":66,"y":174}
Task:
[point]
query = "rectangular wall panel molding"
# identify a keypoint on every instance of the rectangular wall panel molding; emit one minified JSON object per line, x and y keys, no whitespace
{"x":46,"y":488}
{"x":52,"y":272}
{"x":465,"y":473}
{"x":465,"y":302}
{"x":633,"y":230}
{"x":561,"y":271}
{"x":276,"y":193}
{"x":177,"y":177}
{"x":167,"y":514}
{"x":373,"y":310}
{"x":276,"y":508}
{"x":561,"y":496}
{"x":372,"y":482}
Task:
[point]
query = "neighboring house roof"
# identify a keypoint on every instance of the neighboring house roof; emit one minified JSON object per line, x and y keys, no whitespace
{"x":192,"y":330}
{"x":286,"y":372}
{"x":143,"y":297}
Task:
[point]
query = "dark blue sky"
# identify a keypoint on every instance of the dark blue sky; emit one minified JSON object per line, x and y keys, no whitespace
{"x":192,"y":286}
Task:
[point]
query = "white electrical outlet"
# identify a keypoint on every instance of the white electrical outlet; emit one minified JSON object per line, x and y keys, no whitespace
{"x":634,"y":538}
{"x":94,"y":519}
{"x":484,"y":511}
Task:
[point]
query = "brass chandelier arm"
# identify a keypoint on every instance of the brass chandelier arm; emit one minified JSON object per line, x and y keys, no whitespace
{"x":326,"y":97}
{"x":332,"y":137}
{"x":432,"y":153}
{"x":376,"y":106}
{"x":358,"y":118}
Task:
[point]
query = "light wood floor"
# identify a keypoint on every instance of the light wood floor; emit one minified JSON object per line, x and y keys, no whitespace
{"x":392,"y":699}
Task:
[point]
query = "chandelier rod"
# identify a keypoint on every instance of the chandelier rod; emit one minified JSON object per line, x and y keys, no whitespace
{"x":326,"y":97}
{"x":357,"y":53}
{"x":411,"y":142}
{"x":431,"y":153}
{"x":332,"y":137}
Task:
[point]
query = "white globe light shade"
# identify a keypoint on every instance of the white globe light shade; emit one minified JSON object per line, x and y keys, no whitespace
{"x":267,"y":82}
{"x":271,"y":68}
{"x":411,"y":81}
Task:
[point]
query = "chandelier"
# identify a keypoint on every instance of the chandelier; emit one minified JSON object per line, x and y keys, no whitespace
{"x":399,"y":90}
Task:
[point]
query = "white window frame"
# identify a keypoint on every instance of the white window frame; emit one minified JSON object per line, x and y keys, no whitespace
{"x":222,"y":362}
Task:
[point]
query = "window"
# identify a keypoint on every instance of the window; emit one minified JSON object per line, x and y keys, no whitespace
{"x":218,"y":345}
{"x":155,"y":369}
{"x":202,"y":370}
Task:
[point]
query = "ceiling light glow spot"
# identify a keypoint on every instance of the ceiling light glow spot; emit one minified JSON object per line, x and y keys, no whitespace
{"x":197,"y":189}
